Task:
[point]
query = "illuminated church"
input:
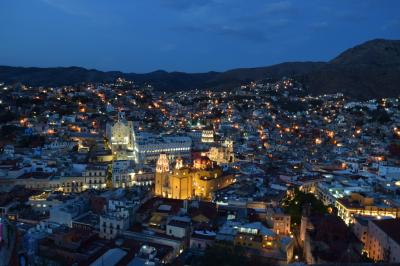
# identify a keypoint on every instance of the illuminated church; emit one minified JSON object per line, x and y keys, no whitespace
{"x":145,"y":147}
{"x":122,"y":139}
{"x":187,"y":182}
{"x":223,"y":154}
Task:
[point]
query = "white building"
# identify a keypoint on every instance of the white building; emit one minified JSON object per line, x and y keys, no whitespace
{"x":122,"y":139}
{"x":95,"y":176}
{"x":148,"y":147}
{"x":383,"y":241}
{"x":122,"y":173}
{"x":178,"y":227}
{"x":64,"y":214}
{"x":115,"y":220}
{"x":207,"y":136}
{"x":145,"y":147}
{"x":59,"y":144}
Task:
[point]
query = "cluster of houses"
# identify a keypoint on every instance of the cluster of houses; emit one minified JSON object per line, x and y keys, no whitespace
{"x":116,"y":174}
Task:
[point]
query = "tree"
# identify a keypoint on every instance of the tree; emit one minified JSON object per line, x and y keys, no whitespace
{"x":294,"y":206}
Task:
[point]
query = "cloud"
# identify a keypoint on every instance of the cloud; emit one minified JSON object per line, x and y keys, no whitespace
{"x":68,"y":7}
{"x":92,"y":12}
{"x":224,"y":18}
{"x":392,"y":25}
{"x":279,"y":7}
{"x":185,"y":4}
{"x":243,"y":33}
{"x":351,"y":16}
{"x":320,"y":25}
{"x":168,"y":47}
{"x":278,"y":23}
{"x":237,"y":32}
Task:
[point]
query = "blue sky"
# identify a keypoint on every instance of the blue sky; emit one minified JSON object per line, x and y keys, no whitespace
{"x":187,"y":35}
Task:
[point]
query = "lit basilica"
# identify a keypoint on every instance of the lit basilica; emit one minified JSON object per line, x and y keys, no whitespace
{"x":144,"y":147}
{"x":122,"y":139}
{"x":223,"y":154}
{"x":199,"y":180}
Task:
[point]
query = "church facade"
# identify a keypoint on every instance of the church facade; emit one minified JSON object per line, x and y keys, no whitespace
{"x":223,"y":154}
{"x":122,"y":139}
{"x":189,"y":182}
{"x":143,"y":147}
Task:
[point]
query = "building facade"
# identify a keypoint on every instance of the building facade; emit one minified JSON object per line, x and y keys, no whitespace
{"x":223,"y":154}
{"x":122,"y":139}
{"x":383,"y":241}
{"x":281,"y":224}
{"x":115,"y":219}
{"x":122,"y":173}
{"x":148,"y":147}
{"x":207,"y":136}
{"x":184,"y":182}
{"x":361,"y":205}
{"x":143,"y":147}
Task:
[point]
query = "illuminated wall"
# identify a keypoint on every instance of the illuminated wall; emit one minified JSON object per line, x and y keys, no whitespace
{"x":200,"y":181}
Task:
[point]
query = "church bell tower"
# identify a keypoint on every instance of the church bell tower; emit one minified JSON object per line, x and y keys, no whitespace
{"x":162,"y":171}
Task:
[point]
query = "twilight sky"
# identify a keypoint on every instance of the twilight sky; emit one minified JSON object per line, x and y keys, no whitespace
{"x":187,"y":35}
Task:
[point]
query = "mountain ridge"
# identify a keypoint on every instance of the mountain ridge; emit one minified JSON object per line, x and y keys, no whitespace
{"x":368,"y":70}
